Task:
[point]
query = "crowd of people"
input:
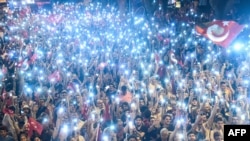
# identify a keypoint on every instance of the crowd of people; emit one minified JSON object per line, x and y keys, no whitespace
{"x":90,"y":72}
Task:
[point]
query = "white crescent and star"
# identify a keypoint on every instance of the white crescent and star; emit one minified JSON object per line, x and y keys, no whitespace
{"x":211,"y":29}
{"x":25,"y":65}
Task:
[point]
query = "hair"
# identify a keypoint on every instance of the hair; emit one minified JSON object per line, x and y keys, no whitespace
{"x":163,"y":129}
{"x":132,"y":137}
{"x":167,"y":115}
{"x":124,"y":88}
{"x":191,"y":132}
{"x":138,"y":117}
{"x":22,"y":134}
{"x":12,"y":108}
{"x":146,"y":114}
{"x":3,"y":128}
{"x":222,"y":82}
{"x":125,"y":104}
{"x":143,"y":108}
{"x":107,"y":131}
{"x":219,"y":119}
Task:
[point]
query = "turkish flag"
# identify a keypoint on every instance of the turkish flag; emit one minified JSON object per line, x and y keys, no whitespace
{"x":102,"y":65}
{"x":33,"y":58}
{"x":221,"y":33}
{"x":34,"y":126}
{"x":55,"y":19}
{"x":8,"y":111}
{"x":55,"y":76}
{"x":157,"y":58}
{"x":23,"y":64}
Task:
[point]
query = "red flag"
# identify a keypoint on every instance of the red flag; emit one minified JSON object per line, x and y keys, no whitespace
{"x":55,"y":19}
{"x":161,"y":72}
{"x":4,"y":70}
{"x":102,"y":65}
{"x":220,"y":32}
{"x":34,"y":126}
{"x":23,"y":64}
{"x":157,"y":58}
{"x":33,"y":58}
{"x":71,"y":87}
{"x":8,"y":111}
{"x":55,"y":76}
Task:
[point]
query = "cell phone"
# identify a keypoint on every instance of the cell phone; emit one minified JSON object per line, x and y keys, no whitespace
{"x":216,"y":99}
{"x":178,"y":4}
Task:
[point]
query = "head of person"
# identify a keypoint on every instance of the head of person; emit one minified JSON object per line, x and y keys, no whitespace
{"x":100,"y":103}
{"x":235,"y":120}
{"x":152,"y":120}
{"x":35,"y":107}
{"x":141,"y":102}
{"x":11,"y":109}
{"x":23,"y":137}
{"x":146,"y":114}
{"x":112,"y":88}
{"x":194,"y":102}
{"x":203,"y":118}
{"x":125,"y":106}
{"x":108,"y":132}
{"x":124,"y":90}
{"x":240,"y":89}
{"x":167,"y":119}
{"x":164,"y":134}
{"x":223,"y":86}
{"x":132,"y":138}
{"x":179,"y":136}
{"x":26,"y":109}
{"x":119,"y":124}
{"x":138,"y":121}
{"x":219,"y":123}
{"x":191,"y":136}
{"x":37,"y":139}
{"x":3,"y":131}
{"x":207,"y":107}
{"x":217,"y":136}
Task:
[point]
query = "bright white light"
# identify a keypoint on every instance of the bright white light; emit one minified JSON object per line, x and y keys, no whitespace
{"x":61,"y":110}
{"x":65,"y":129}
{"x":105,"y":138}
{"x":45,"y":120}
{"x":130,"y":124}
{"x":243,"y":117}
{"x":133,"y":105}
{"x":238,"y":46}
{"x":117,"y":100}
{"x":181,"y":136}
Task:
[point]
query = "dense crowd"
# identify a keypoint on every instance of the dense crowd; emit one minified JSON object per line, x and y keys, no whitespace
{"x":91,"y":72}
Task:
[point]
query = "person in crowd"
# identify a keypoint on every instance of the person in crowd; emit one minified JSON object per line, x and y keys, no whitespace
{"x":4,"y":134}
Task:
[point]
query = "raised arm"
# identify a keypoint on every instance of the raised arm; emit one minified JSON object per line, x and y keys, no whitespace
{"x":209,"y":123}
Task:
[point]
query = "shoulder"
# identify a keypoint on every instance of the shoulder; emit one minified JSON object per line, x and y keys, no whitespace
{"x":10,"y":138}
{"x":171,"y":127}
